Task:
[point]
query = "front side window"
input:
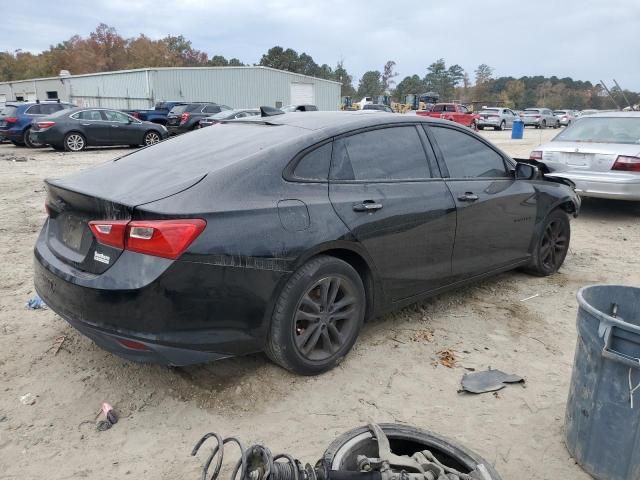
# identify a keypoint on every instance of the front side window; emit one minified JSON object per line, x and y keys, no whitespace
{"x":392,"y":153}
{"x":113,"y":116}
{"x":466,"y":156}
{"x":211,"y":109}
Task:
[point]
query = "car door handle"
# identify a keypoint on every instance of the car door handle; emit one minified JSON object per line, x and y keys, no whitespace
{"x":115,"y":126}
{"x":85,"y":124}
{"x":367,"y":206}
{"x":468,"y":197}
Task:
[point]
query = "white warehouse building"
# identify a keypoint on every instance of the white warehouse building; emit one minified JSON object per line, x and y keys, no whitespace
{"x":237,"y":87}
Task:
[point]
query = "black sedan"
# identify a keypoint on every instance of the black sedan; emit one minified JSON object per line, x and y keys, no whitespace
{"x":184,"y":118}
{"x":75,"y":129}
{"x":284,"y":233}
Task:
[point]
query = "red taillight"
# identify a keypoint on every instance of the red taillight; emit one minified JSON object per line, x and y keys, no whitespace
{"x":163,"y":238}
{"x":159,"y":238}
{"x":11,"y":119}
{"x":184,"y":117}
{"x":45,"y":125}
{"x":109,"y":232}
{"x":537,"y":116}
{"x":627,"y":164}
{"x":535,"y":155}
{"x":131,"y":344}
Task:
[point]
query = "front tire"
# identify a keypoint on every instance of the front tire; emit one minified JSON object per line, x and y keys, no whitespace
{"x":317,"y":317}
{"x":502,"y":125}
{"x":151,"y":138}
{"x":552,"y":245}
{"x":74,"y":142}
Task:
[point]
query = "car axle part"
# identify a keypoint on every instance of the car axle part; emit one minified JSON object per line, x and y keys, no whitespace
{"x":366,"y":453}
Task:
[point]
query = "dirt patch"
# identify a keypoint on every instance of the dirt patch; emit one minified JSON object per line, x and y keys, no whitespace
{"x":389,"y":376}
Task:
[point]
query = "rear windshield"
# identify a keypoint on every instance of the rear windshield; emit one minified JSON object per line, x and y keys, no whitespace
{"x":224,"y":114}
{"x":8,"y":111}
{"x":490,"y":110}
{"x":559,"y":112}
{"x":531,"y":110}
{"x":602,"y":130}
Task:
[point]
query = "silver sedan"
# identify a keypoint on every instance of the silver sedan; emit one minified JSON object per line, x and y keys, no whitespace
{"x":600,"y":153}
{"x":497,"y":117}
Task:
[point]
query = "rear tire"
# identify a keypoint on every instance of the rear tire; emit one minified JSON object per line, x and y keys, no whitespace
{"x":317,"y":316}
{"x":74,"y":142}
{"x":544,"y":124}
{"x":26,"y":139}
{"x":552,"y":245}
{"x":502,"y":125}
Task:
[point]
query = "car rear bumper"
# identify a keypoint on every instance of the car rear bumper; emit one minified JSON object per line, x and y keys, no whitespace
{"x":613,"y":185}
{"x":12,"y":134}
{"x":489,"y":123}
{"x":181,"y":312}
{"x":529,"y":123}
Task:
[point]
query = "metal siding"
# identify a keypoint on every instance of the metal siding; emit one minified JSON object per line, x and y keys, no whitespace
{"x":122,"y":91}
{"x":238,"y":87}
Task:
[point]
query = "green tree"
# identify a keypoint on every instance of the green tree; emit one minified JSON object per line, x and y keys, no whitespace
{"x":370,"y":84}
{"x":484,"y":73}
{"x":341,"y":75}
{"x":412,"y":85}
{"x":443,"y":80}
{"x":388,"y":75}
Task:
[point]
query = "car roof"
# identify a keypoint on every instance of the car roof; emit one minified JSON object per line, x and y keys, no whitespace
{"x":615,"y":114}
{"x":335,"y":122}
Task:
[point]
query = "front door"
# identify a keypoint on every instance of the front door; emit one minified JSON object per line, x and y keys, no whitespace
{"x":496,"y":212}
{"x":124,"y":130}
{"x":383,"y":189}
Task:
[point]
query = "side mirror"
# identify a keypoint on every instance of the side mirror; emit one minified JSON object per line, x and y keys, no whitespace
{"x":524,"y":171}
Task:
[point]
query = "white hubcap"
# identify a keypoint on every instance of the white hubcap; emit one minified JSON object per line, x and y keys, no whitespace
{"x":75,"y":142}
{"x":152,"y":138}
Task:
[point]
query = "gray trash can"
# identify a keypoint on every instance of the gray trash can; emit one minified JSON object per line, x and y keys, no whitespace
{"x":602,"y":422}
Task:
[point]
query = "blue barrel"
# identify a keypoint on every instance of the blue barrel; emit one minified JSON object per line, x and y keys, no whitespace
{"x":517,"y":131}
{"x":602,"y":421}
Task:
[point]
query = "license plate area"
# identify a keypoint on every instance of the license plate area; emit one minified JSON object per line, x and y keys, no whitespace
{"x":72,"y":232}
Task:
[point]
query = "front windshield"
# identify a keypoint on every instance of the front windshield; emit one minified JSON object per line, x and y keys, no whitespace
{"x":602,"y":130}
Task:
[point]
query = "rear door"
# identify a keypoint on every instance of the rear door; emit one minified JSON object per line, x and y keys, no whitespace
{"x":92,"y":125}
{"x":384,"y":188}
{"x":496,"y":213}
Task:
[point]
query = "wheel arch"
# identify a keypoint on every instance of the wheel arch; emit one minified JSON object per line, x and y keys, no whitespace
{"x":66,"y":134}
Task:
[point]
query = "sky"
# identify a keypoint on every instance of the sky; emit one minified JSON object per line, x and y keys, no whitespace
{"x":582,"y":39}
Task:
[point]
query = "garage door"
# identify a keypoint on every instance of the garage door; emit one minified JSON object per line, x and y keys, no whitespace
{"x":302,"y":94}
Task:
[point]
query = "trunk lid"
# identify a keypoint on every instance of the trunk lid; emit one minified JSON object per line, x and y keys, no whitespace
{"x":594,"y":157}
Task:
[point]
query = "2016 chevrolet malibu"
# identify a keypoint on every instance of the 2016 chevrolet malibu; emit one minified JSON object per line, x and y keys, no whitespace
{"x":284,"y":233}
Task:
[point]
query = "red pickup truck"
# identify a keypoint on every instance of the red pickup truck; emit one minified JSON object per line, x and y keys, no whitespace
{"x":452,"y":111}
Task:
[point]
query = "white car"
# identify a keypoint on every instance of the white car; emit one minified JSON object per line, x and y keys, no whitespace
{"x":497,"y":118}
{"x":600,"y":153}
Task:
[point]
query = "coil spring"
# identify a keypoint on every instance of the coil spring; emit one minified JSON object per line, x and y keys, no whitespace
{"x":270,"y":466}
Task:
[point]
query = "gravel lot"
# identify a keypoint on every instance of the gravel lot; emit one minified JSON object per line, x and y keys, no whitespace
{"x":391,"y":375}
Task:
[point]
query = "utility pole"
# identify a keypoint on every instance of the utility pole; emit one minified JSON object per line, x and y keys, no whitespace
{"x":623,"y":95}
{"x":610,"y":96}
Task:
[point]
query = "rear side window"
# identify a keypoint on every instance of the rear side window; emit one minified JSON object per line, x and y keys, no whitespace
{"x":468,"y":157}
{"x":50,"y":108}
{"x":314,"y":165}
{"x":33,"y":110}
{"x":393,"y":153}
{"x":194,"y":107}
{"x":8,"y":111}
{"x":88,"y":115}
{"x":178,"y":109}
{"x":211,"y":109}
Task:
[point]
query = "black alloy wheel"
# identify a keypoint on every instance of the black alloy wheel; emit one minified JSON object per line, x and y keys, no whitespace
{"x":151,"y":138}
{"x":553,"y":244}
{"x":317,"y":316}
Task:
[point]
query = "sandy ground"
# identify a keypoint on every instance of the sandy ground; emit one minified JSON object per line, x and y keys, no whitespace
{"x":391,"y":375}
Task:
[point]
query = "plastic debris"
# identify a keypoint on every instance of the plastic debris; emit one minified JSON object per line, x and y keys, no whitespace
{"x":28,"y":399}
{"x":36,"y":303}
{"x":110,"y":417}
{"x":488,"y":381}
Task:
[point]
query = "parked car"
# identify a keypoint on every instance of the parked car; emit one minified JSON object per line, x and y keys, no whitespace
{"x":600,"y":153}
{"x":16,"y":118}
{"x":454,"y":112}
{"x":565,"y":117}
{"x":539,"y":118}
{"x":78,"y":128}
{"x":497,"y":117}
{"x":377,"y":106}
{"x":283,"y":233}
{"x":184,"y":118}
{"x":157,"y":115}
{"x":229,"y":115}
{"x":299,"y":108}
